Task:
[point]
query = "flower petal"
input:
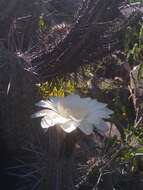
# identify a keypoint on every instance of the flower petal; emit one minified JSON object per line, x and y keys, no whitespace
{"x":97,"y":115}
{"x":45,"y":104}
{"x":49,"y":120}
{"x":102,"y":127}
{"x":51,"y":116}
{"x":86,"y":128}
{"x":71,"y":112}
{"x":45,"y":123}
{"x":55,"y":100}
{"x":72,"y":101}
{"x":69,"y":126}
{"x":97,"y":105}
{"x":41,"y":113}
{"x":72,"y":97}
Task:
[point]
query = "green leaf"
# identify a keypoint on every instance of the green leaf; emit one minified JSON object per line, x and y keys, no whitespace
{"x":141,"y":36}
{"x":140,"y":72}
{"x":42,"y":25}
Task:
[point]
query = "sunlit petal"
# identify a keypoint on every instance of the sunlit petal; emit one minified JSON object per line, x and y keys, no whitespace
{"x":45,"y":104}
{"x":73,"y":112}
{"x":45,"y":123}
{"x":41,"y":113}
{"x":70,"y":126}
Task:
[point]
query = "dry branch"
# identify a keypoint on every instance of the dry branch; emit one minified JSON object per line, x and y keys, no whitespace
{"x":96,"y":32}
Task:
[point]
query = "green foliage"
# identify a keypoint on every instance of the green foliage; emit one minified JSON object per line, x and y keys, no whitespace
{"x":132,"y":153}
{"x":126,"y":154}
{"x":137,"y":133}
{"x":134,"y":45}
{"x":42,"y":24}
{"x":57,"y":87}
{"x":140,"y":72}
{"x":135,"y":1}
{"x":141,"y":36}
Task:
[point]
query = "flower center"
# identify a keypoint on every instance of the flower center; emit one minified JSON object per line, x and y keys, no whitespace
{"x":75,"y":113}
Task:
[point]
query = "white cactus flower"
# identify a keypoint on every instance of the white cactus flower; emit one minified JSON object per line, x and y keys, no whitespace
{"x":73,"y":112}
